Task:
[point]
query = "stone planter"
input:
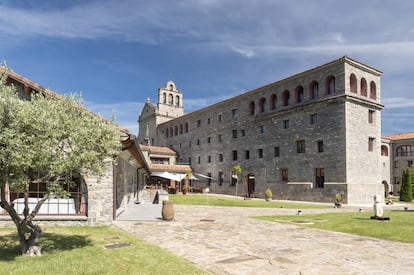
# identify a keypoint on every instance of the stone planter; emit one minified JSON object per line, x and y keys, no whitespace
{"x":167,"y":210}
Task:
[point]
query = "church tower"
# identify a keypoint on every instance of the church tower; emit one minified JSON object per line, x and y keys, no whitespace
{"x":169,"y":106}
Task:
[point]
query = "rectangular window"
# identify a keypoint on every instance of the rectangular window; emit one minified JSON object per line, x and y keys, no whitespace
{"x":320,"y":146}
{"x":189,"y":144}
{"x":277,"y":151}
{"x":300,"y":146}
{"x":395,"y":164}
{"x":219,"y":118}
{"x":234,"y":154}
{"x":234,"y":133}
{"x":208,"y":120}
{"x":198,"y":123}
{"x":219,"y":138}
{"x":319,"y":177}
{"x":243,"y":133}
{"x":198,"y":142}
{"x":220,"y":157}
{"x":313,"y":118}
{"x":261,"y":129}
{"x":371,"y":114}
{"x":234,"y":113}
{"x":209,"y":179}
{"x":247,"y":154}
{"x":371,"y":142}
{"x":189,"y":161}
{"x":209,"y":159}
{"x":285,"y":124}
{"x":208,"y":139}
{"x":199,"y":160}
{"x":285,"y":174}
{"x":260,"y":153}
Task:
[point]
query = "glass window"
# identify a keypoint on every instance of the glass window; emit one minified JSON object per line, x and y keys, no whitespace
{"x":300,"y":146}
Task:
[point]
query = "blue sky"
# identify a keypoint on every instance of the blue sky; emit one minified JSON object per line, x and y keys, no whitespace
{"x":119,"y":52}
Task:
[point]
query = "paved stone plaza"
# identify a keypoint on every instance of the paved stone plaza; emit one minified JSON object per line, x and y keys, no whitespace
{"x":224,"y":240}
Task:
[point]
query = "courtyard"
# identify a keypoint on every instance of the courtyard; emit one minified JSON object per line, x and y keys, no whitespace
{"x":226,"y":240}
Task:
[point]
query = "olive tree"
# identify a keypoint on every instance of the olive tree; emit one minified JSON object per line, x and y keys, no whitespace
{"x":47,"y":139}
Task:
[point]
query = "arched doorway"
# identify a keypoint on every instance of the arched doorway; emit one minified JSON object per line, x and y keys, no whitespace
{"x":251,"y":185}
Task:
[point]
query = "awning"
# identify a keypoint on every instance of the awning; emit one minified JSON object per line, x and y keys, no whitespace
{"x":204,"y":176}
{"x":168,"y":175}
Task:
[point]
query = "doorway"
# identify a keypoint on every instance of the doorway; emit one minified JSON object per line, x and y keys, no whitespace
{"x":251,"y":185}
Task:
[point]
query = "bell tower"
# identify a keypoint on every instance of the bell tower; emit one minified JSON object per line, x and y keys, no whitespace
{"x":170,"y":102}
{"x":169,"y":106}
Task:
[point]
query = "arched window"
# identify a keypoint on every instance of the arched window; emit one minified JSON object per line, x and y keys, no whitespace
{"x":285,"y":98}
{"x":164,"y":98}
{"x":262,"y":104}
{"x":170,"y":99}
{"x":404,"y":151}
{"x":314,"y":90}
{"x":252,"y":107}
{"x":186,"y":127}
{"x":176,"y":130}
{"x":166,"y":133}
{"x":273,"y":101}
{"x":353,"y":83}
{"x":171,"y":131}
{"x":372,"y":90}
{"x":177,"y":100}
{"x":299,"y":94}
{"x":330,"y":85}
{"x":363,"y":87}
{"x":384,"y":151}
{"x":181,"y":129}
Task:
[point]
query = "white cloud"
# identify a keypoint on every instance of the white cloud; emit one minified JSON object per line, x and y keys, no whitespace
{"x":398,"y":102}
{"x":126,"y":113}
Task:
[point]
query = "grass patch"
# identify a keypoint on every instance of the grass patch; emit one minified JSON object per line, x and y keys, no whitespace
{"x":81,"y":250}
{"x":212,"y":200}
{"x":399,"y":228}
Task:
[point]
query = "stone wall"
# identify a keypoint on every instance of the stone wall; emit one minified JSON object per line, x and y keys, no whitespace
{"x":336,"y":120}
{"x":100,"y":197}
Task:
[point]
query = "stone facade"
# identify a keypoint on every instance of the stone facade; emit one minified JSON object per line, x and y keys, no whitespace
{"x":400,"y":156}
{"x":307,"y":137}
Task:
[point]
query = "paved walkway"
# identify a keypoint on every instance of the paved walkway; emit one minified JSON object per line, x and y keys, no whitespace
{"x":224,"y":240}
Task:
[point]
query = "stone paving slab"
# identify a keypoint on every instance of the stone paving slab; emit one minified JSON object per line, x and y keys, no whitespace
{"x":224,"y":240}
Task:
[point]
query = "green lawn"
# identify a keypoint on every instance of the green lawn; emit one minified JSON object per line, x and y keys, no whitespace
{"x":81,"y":250}
{"x":212,"y":200}
{"x":399,"y":228}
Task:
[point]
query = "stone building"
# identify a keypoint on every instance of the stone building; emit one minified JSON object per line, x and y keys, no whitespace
{"x":93,"y":200}
{"x":398,"y":149}
{"x":307,"y":137}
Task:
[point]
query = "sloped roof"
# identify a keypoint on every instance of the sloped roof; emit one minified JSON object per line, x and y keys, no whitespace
{"x":169,"y":168}
{"x":408,"y":135}
{"x":157,"y":149}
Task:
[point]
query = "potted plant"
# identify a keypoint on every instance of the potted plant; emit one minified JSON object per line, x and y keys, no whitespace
{"x":268,"y":194}
{"x":338,"y":200}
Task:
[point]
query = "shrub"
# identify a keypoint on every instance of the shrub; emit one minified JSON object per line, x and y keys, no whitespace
{"x":268,"y":193}
{"x":406,"y":192}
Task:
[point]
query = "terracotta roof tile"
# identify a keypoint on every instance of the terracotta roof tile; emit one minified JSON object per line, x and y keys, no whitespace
{"x":157,"y":149}
{"x":399,"y":136}
{"x":170,"y":168}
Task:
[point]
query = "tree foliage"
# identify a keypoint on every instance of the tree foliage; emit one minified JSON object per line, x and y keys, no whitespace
{"x":406,"y":192}
{"x":47,"y":139}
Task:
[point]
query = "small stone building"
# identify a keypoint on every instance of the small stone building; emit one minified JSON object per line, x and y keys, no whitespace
{"x":398,"y":150}
{"x":307,"y":137}
{"x":92,"y":200}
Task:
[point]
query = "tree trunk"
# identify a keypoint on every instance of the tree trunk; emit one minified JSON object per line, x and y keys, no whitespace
{"x":29,"y":239}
